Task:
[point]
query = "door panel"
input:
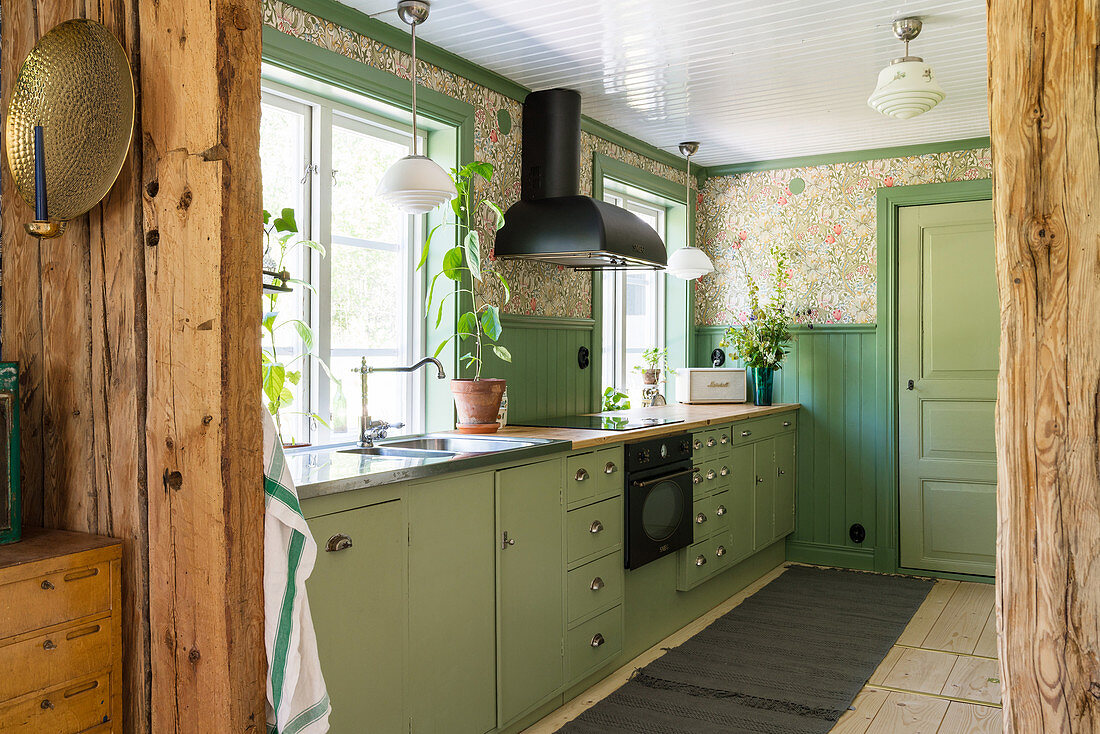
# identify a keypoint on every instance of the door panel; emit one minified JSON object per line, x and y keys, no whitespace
{"x":783,"y":502}
{"x":763,"y":502}
{"x":948,"y":333}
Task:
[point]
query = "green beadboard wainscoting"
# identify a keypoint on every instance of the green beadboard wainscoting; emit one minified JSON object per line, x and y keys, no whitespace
{"x":832,"y":372}
{"x":544,"y":377}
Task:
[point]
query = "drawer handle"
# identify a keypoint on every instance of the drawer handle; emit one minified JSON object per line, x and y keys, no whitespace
{"x":746,"y":433}
{"x":696,"y":478}
{"x":49,"y":645}
{"x":724,"y":439}
{"x":338,"y":542}
{"x":505,"y":541}
{"x":597,"y":584}
{"x":711,"y":442}
{"x":82,"y":632}
{"x":720,"y":551}
{"x":760,"y":480}
{"x":47,"y":585}
{"x":597,"y":640}
{"x":700,"y":560}
{"x":697,"y":444}
{"x":711,"y":474}
{"x":581,"y":475}
{"x":82,"y":574}
{"x":46,"y":704}
{"x":595,"y":527}
{"x":700,"y":519}
{"x":720,"y":511}
{"x":725,"y":471}
{"x":83,"y":688}
{"x":786,"y":424}
{"x":610,"y":468}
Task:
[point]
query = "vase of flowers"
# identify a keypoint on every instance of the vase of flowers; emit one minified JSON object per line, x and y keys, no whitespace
{"x":761,"y":338}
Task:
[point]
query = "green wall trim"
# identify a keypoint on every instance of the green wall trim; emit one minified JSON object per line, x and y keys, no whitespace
{"x":641,"y":147}
{"x":825,"y":159}
{"x":890,"y":200}
{"x":604,"y":165}
{"x":712,"y":329}
{"x":823,"y":554}
{"x":512,"y":321}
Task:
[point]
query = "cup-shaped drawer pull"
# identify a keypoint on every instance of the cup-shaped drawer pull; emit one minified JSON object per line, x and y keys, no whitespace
{"x":610,"y":468}
{"x":338,"y":542}
{"x":581,"y":475}
{"x":786,"y":424}
{"x":595,"y":527}
{"x":720,"y":510}
{"x":720,"y":551}
{"x":724,"y":439}
{"x":700,"y":560}
{"x":696,"y":478}
{"x":700,"y":518}
{"x":597,"y":584}
{"x":711,"y":474}
{"x":597,"y":640}
{"x":745,"y":433}
{"x":697,"y":444}
{"x":711,"y":442}
{"x":724,"y":471}
{"x":49,"y":645}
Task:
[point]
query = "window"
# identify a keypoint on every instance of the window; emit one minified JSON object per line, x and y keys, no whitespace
{"x":633,"y":300}
{"x":324,"y":158}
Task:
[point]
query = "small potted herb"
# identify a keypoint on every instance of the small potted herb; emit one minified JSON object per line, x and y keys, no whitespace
{"x":652,"y":361}
{"x":477,"y":399}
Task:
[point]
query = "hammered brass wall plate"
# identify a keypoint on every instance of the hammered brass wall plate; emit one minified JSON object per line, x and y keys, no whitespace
{"x":76,"y":83}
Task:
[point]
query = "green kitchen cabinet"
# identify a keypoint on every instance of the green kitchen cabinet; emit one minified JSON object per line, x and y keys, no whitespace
{"x":741,"y":503}
{"x":452,"y":623}
{"x":357,"y":599}
{"x":763,"y":473}
{"x":783,"y":498}
{"x":530,"y":607}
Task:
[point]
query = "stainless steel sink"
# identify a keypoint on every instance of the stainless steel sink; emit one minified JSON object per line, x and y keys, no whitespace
{"x":400,"y":452}
{"x":448,"y":443}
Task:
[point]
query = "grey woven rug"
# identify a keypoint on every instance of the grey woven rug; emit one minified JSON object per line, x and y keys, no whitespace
{"x":788,"y":660}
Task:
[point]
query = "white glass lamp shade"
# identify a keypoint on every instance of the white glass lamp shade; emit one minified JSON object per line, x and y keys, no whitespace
{"x":689,"y":263}
{"x":906,"y":89}
{"x":416,"y":185}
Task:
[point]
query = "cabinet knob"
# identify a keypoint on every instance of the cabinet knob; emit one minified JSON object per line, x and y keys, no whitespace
{"x":696,"y":478}
{"x":700,"y":519}
{"x":760,"y":480}
{"x":711,"y":442}
{"x":597,"y":584}
{"x":46,"y":704}
{"x":721,"y":510}
{"x":505,"y":541}
{"x":746,"y":433}
{"x":610,"y":468}
{"x":700,"y":560}
{"x":595,"y":527}
{"x":697,"y":444}
{"x":720,"y":551}
{"x":597,"y":640}
{"x":49,"y":645}
{"x":711,"y":474}
{"x":786,"y":424}
{"x":338,"y":542}
{"x":781,"y":472}
{"x":581,"y":475}
{"x":724,"y":439}
{"x":47,"y":585}
{"x":724,"y":471}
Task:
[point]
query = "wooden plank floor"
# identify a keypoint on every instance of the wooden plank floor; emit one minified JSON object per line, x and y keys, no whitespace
{"x":940,"y":678}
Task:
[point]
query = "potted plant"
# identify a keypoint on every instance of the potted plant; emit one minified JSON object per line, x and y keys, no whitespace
{"x":281,"y":372}
{"x":477,"y":399}
{"x":653,"y":359}
{"x":760,"y":340}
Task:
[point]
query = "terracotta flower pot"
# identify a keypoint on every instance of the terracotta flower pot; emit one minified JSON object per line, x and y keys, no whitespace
{"x":651,"y":377}
{"x":478,"y":403}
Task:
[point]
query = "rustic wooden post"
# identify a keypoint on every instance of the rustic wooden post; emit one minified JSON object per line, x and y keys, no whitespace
{"x":1046,"y":172}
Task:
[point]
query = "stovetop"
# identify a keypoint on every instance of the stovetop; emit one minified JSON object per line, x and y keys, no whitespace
{"x":599,"y":422}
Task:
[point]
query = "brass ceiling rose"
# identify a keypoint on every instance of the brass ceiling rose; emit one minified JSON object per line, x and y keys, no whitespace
{"x":76,"y":83}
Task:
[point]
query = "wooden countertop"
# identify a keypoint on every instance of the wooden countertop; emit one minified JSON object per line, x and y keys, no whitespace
{"x":694,"y":417}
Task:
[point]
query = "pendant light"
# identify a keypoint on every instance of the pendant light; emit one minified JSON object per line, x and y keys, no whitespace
{"x":689,"y":262}
{"x":415,"y":184}
{"x":907,"y":87}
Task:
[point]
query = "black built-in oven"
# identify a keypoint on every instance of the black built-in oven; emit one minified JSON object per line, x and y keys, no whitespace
{"x":659,"y":495}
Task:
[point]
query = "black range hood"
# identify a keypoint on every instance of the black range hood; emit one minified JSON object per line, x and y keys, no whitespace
{"x":552,"y":222}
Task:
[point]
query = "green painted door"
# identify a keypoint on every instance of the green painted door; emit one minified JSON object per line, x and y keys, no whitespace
{"x":357,"y":598}
{"x":783,"y":499}
{"x":763,"y":453}
{"x":452,"y":614}
{"x":530,"y":607}
{"x":948,"y":334}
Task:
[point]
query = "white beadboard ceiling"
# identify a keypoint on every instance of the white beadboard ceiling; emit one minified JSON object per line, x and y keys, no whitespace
{"x":752,"y":80}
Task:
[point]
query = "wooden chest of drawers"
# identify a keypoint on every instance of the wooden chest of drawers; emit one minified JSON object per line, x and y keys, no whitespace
{"x":60,"y":634}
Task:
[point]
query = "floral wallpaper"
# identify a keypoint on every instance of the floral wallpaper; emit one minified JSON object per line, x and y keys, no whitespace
{"x":823,"y":218}
{"x":537,"y":289}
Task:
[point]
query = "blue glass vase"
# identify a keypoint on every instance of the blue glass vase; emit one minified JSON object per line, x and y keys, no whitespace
{"x":762,"y":384}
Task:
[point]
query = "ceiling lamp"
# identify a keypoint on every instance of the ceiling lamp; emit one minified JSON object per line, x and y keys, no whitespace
{"x":689,"y":262}
{"x":415,"y":184}
{"x":907,"y":87}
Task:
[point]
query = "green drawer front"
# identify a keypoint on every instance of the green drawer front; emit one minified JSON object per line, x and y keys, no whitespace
{"x":757,"y":428}
{"x":703,"y":560}
{"x":581,"y":477}
{"x":725,"y":473}
{"x":609,"y":467}
{"x":720,"y":512}
{"x":594,"y":585}
{"x":725,"y":439}
{"x":699,"y":486}
{"x":593,"y":644}
{"x":699,"y":451}
{"x":593,"y":529}
{"x":711,"y":476}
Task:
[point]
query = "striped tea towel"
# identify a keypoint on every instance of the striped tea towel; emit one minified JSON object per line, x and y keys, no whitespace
{"x":297,"y":702}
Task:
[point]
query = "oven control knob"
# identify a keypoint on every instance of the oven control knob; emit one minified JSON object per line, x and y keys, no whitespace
{"x":643,"y":456}
{"x":685,"y":447}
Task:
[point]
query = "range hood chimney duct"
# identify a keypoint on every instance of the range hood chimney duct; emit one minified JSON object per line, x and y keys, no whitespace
{"x":551,"y":160}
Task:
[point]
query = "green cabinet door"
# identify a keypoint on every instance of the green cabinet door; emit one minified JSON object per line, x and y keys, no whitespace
{"x":530,"y":614}
{"x":742,"y":518}
{"x":357,"y":598}
{"x":452,"y":614}
{"x":783,"y":499}
{"x":763,"y":459}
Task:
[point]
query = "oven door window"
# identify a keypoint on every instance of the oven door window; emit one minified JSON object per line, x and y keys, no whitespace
{"x":662,"y":510}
